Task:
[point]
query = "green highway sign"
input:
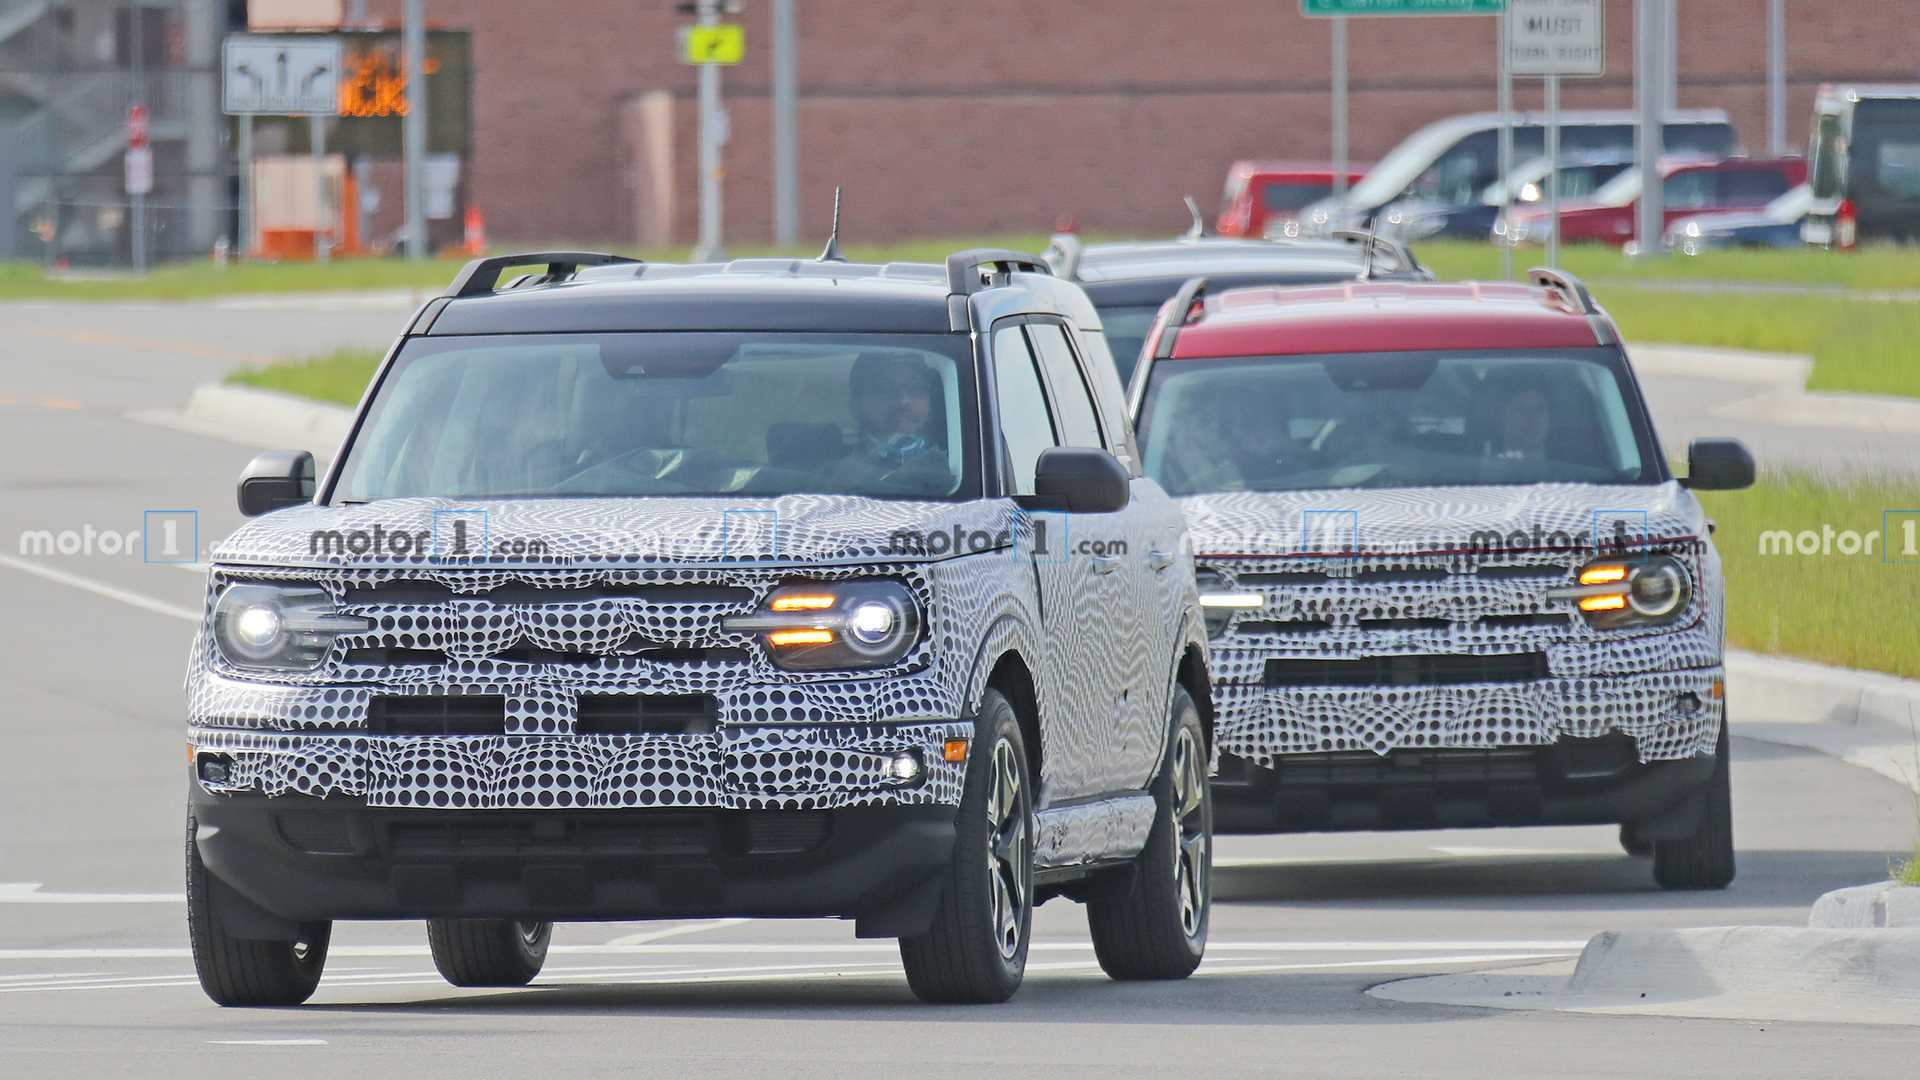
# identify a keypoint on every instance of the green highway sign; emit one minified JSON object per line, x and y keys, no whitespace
{"x":1402,"y":7}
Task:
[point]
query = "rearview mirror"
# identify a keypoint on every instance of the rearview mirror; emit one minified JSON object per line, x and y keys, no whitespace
{"x":1718,"y":465}
{"x":276,"y":479}
{"x":1081,"y":480}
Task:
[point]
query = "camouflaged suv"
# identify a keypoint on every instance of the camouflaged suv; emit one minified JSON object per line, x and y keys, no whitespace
{"x":771,"y":588}
{"x":1450,"y":578}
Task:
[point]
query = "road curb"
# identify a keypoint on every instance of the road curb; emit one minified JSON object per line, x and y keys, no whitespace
{"x":1727,"y":972}
{"x":1780,"y":381}
{"x":268,"y":418}
{"x":1861,"y":717}
{"x":1883,"y":905}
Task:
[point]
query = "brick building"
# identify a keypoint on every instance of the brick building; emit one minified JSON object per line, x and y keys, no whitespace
{"x":1002,"y":115}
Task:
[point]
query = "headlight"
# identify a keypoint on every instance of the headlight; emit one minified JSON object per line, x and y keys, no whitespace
{"x":1620,"y":593}
{"x":1218,"y":603}
{"x":278,"y":627}
{"x":1692,"y":228}
{"x":833,"y":626}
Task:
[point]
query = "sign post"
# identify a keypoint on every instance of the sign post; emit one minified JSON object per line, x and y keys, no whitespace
{"x":709,"y":46}
{"x":1506,"y":142}
{"x":280,"y":76}
{"x":1341,"y":10}
{"x":1555,"y":38}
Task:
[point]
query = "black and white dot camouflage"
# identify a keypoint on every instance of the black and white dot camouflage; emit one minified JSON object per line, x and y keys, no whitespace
{"x":1418,"y":572}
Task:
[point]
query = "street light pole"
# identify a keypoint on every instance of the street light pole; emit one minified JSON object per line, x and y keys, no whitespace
{"x":413,"y":44}
{"x":1339,"y":105}
{"x":1777,"y":77}
{"x":1506,"y":135}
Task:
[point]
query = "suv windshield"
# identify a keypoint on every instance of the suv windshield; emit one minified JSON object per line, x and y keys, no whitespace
{"x":683,"y":414}
{"x":1386,"y":420}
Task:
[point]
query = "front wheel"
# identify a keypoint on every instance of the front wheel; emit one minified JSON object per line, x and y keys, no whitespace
{"x":488,"y":952}
{"x":236,"y":970}
{"x":975,"y":951}
{"x":1703,"y":860}
{"x":1159,"y":929}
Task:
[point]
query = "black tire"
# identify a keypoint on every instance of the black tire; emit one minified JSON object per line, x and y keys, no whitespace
{"x":1159,"y":929}
{"x":1633,"y":842}
{"x":247,"y":971}
{"x":975,"y":951}
{"x":489,"y":952}
{"x":1705,"y":859}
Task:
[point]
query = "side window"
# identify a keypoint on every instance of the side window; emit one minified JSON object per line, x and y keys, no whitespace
{"x":1072,"y":400}
{"x":1025,"y":425}
{"x":1751,"y":187}
{"x":1689,"y":190}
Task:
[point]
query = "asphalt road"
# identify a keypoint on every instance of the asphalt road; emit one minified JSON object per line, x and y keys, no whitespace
{"x":95,"y":978}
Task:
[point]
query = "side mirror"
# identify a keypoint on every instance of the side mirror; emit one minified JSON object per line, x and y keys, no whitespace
{"x":1081,"y":480}
{"x":1718,"y":465}
{"x":276,"y":479}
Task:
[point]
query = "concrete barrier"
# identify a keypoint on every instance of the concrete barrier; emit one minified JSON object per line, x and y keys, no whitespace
{"x":1884,"y":905}
{"x":1861,"y":717}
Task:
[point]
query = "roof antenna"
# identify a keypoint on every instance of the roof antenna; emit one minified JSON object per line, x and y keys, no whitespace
{"x":832,"y":252}
{"x":1197,"y":230}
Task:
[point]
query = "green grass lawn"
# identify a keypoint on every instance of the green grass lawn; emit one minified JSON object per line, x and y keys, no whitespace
{"x":1855,"y":610}
{"x":1878,"y":267}
{"x":338,"y":377}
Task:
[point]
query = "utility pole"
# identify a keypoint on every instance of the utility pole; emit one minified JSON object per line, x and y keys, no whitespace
{"x":786,"y":127}
{"x":1777,"y":77}
{"x":1339,"y":105}
{"x":413,"y":127}
{"x":713,"y":132}
{"x":1649,"y":28}
{"x":1506,"y":135}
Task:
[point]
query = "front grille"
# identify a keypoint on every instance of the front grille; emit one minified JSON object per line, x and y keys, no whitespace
{"x":529,"y":654}
{"x":316,"y":832}
{"x":645,"y":714}
{"x":1404,"y":624}
{"x":1416,"y":670}
{"x":405,"y":591}
{"x":1286,"y":626}
{"x":452,"y":714}
{"x":1439,"y":767}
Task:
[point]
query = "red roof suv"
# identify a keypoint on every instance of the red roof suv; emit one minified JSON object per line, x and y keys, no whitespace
{"x":1688,"y":188}
{"x":1448,"y":576}
{"x":1260,"y":193}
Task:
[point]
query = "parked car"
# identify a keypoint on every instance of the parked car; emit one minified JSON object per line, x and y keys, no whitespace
{"x":1415,"y":218}
{"x":1449,"y":577}
{"x":1775,"y":225}
{"x":1865,"y":152}
{"x":652,"y":591}
{"x":1128,"y":282}
{"x":1261,"y":193}
{"x":1450,"y":161}
{"x":1689,"y":188}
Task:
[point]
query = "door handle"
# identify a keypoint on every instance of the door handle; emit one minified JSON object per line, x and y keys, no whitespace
{"x":1105,"y":564}
{"x":1158,"y":559}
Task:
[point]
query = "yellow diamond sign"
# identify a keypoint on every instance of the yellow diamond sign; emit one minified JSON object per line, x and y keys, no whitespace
{"x":722,"y":43}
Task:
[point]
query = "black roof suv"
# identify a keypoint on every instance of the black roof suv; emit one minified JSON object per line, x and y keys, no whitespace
{"x":769,"y":588}
{"x":1128,"y":282}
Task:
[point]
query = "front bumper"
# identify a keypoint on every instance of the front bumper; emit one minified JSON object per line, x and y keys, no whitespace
{"x":740,"y":767}
{"x":298,"y":859}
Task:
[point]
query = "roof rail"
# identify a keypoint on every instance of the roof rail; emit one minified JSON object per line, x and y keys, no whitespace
{"x":1197,"y":230}
{"x":479,"y":277}
{"x":1063,"y":254}
{"x":1373,"y":243}
{"x":1568,"y":286}
{"x":1190,"y":293}
{"x":963,"y":268}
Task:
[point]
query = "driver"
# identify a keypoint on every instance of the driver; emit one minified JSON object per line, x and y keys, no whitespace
{"x":893,"y":400}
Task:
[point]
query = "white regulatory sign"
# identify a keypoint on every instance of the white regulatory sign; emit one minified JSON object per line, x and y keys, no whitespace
{"x":281,"y":76}
{"x":1556,"y":37}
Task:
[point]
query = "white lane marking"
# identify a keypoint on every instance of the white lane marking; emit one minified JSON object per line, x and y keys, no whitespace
{"x":648,"y":936}
{"x":189,"y":567}
{"x":1397,"y":961}
{"x":397,"y":951}
{"x":1506,"y":852}
{"x":28,"y":892}
{"x":100,"y":588}
{"x":266,"y":1042}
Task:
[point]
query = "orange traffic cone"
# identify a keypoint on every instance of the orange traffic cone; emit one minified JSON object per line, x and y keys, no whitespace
{"x":476,"y":232}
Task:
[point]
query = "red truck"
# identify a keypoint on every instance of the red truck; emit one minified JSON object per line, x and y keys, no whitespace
{"x":1690,"y":187}
{"x":1263,"y":192}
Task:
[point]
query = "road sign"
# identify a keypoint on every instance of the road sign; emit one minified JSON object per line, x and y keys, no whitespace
{"x":718,"y":43}
{"x":281,"y":76}
{"x":139,"y":170}
{"x":1402,"y":7}
{"x":1556,"y":37}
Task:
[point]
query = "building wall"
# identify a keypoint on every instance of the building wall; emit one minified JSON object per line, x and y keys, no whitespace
{"x":1004,"y":115}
